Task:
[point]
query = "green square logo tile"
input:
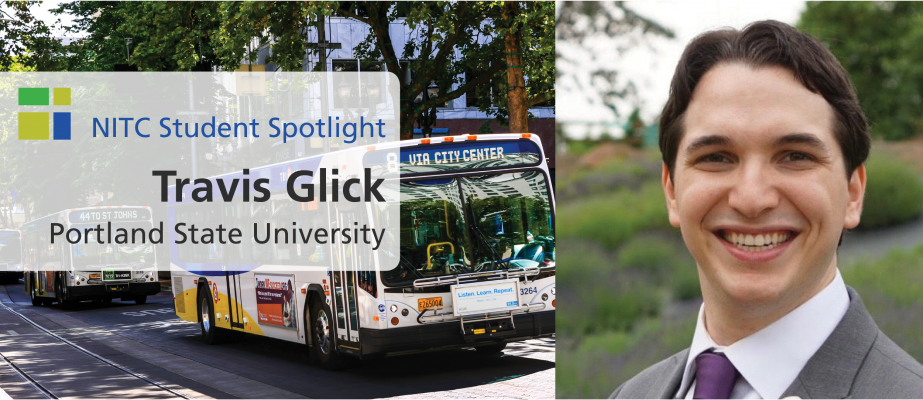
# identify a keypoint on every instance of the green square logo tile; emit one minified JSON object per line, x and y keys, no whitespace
{"x":34,"y":96}
{"x":62,"y":96}
{"x":33,"y":126}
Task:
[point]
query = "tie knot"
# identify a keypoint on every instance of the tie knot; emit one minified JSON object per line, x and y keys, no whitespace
{"x":715,"y":376}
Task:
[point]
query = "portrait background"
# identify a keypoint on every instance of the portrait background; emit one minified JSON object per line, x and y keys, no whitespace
{"x":630,"y":293}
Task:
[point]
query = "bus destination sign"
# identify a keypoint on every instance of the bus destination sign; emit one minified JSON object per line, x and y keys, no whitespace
{"x":453,"y":157}
{"x":109,"y":215}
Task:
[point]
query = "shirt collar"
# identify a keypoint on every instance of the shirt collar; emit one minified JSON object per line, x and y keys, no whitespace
{"x":772,"y":358}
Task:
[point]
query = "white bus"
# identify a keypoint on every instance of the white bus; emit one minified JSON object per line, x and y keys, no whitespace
{"x":78,"y":254}
{"x":476,"y":213}
{"x":10,"y":255}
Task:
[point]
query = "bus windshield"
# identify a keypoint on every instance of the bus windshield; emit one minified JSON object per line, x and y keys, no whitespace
{"x":473,"y":224}
{"x":10,"y":248}
{"x":91,"y":254}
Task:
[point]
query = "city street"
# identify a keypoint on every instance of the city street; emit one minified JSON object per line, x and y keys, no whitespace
{"x":151,"y":342}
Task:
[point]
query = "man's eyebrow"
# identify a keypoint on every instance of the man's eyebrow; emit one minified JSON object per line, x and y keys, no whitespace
{"x":801,"y":138}
{"x":707,"y":141}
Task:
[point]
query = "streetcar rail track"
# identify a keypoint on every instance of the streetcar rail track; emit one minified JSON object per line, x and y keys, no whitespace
{"x":26,"y":377}
{"x":75,"y":346}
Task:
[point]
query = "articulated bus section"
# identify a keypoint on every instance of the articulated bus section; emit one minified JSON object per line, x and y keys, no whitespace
{"x":475,"y":265}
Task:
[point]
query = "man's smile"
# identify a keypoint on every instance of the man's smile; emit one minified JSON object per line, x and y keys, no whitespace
{"x":749,"y":244}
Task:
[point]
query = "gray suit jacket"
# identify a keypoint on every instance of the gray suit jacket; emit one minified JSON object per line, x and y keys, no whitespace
{"x":856,"y":361}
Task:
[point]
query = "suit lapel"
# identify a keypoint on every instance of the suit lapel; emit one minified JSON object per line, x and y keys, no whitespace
{"x":670,"y":384}
{"x":830,"y":373}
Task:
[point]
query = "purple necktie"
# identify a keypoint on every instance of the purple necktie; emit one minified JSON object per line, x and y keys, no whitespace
{"x":714,"y":376}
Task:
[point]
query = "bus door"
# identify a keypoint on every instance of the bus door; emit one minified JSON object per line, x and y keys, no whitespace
{"x":230,"y":258}
{"x":344,"y":283}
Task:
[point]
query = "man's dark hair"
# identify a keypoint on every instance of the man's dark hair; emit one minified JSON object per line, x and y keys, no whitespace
{"x":763,"y":44}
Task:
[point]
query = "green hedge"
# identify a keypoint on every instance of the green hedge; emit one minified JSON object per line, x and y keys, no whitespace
{"x":892,"y":289}
{"x":894,"y":193}
{"x":613,"y":218}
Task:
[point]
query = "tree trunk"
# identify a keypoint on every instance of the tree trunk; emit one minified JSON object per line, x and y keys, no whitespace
{"x":516,"y":94}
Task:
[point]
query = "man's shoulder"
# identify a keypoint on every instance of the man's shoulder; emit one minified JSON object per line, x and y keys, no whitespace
{"x":889,"y":372}
{"x":653,"y":381}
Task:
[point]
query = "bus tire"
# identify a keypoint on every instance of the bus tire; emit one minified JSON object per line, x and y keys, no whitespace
{"x":141,"y":299}
{"x":107,"y":300}
{"x":210,"y":333}
{"x":496,"y":348}
{"x":36,"y":301}
{"x":324,"y":331}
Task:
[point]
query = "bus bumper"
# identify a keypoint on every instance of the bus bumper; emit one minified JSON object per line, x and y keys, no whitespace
{"x":133,"y":289}
{"x":446,"y":335}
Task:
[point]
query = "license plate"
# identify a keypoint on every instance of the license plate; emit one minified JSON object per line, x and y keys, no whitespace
{"x":117,"y":288}
{"x":116,"y":275}
{"x":428,"y":302}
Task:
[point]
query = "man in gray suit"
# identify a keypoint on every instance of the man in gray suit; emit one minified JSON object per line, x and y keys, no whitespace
{"x":764,"y":145}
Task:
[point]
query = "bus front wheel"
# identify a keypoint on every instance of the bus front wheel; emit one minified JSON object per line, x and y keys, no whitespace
{"x":141,"y":299}
{"x":325,"y":337}
{"x":210,"y":333}
{"x":36,"y":301}
{"x":61,"y":295}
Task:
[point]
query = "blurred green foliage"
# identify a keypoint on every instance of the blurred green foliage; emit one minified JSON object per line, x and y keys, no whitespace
{"x":879,"y":45}
{"x":893,"y":194}
{"x":611,"y":218}
{"x":892,"y":289}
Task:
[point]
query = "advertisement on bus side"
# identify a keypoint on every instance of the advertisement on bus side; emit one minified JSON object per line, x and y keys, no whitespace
{"x":275,"y":300}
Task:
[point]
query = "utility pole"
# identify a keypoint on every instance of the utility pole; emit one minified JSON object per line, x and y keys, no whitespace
{"x":322,"y":45}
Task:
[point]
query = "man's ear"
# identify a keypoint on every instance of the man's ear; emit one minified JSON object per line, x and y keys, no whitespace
{"x":856,"y":190}
{"x":670,"y":194}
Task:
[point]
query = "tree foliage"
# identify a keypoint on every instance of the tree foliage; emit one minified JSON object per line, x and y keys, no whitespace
{"x":456,"y":45}
{"x":588,"y":32}
{"x":26,"y":41}
{"x":879,"y":45}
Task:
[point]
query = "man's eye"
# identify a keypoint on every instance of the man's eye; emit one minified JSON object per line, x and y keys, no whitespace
{"x":713,"y":158}
{"x":797,"y":157}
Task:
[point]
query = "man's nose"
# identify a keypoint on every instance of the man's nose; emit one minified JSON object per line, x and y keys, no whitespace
{"x":755,"y":191}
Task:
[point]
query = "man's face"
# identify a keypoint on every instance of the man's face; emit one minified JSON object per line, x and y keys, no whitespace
{"x":759,"y":189}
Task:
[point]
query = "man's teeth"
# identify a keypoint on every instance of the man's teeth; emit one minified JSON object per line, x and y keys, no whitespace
{"x":760,"y":242}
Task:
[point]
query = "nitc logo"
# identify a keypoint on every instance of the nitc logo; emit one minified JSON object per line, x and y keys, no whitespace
{"x":36,"y":125}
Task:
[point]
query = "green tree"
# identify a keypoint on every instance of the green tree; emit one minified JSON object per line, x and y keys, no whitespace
{"x":582,"y":27}
{"x":26,"y":40}
{"x":448,"y":48}
{"x":180,"y":35}
{"x":443,"y":27}
{"x":879,"y":45}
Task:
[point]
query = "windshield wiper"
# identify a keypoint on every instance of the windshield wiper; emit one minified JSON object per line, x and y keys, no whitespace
{"x":408,"y":265}
{"x":480,"y":235}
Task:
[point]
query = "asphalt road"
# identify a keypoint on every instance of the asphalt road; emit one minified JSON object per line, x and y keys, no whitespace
{"x":150,"y":340}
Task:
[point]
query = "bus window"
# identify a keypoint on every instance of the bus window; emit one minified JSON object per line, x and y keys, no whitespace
{"x":433,"y":232}
{"x":514,"y":222}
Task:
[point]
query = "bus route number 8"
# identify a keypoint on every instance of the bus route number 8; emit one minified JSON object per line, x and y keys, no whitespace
{"x":392,"y":162}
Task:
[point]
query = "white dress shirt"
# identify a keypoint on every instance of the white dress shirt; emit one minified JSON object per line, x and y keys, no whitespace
{"x":770,"y":359}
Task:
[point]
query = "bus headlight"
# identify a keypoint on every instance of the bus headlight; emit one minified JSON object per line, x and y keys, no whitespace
{"x":552,"y":290}
{"x":394,"y":308}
